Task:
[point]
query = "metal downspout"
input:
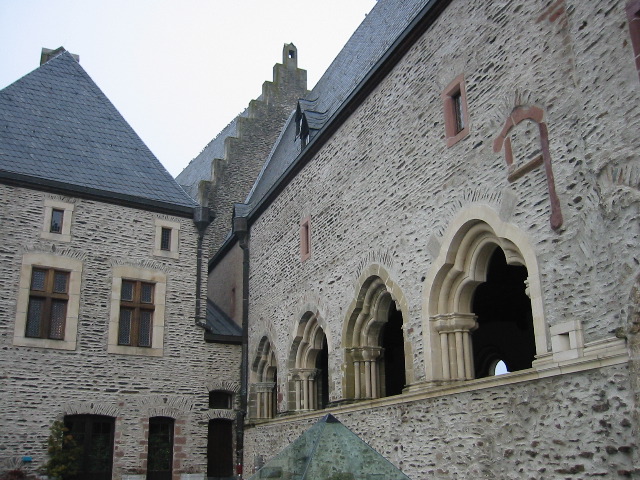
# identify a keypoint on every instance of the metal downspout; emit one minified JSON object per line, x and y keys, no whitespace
{"x":202,"y":219}
{"x":240,"y":227}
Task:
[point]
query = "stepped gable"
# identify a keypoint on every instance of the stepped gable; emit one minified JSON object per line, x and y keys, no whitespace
{"x":329,"y":450}
{"x":59,"y":131}
{"x":200,"y":167}
{"x":375,"y":35}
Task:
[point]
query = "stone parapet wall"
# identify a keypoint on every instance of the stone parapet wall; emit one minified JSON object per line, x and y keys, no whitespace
{"x":569,"y":426}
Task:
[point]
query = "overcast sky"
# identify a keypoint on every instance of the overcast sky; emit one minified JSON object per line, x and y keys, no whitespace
{"x":177,"y":70}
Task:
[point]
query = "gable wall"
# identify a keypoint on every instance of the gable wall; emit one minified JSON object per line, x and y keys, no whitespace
{"x":40,"y":385}
{"x":384,"y":189}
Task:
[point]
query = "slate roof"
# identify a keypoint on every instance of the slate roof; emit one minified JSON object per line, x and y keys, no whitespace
{"x":375,"y":35}
{"x":200,"y":167}
{"x":220,"y":327}
{"x":329,"y":450}
{"x":59,"y":131}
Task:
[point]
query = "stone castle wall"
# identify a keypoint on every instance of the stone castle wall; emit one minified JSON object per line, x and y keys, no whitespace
{"x":386,"y":187}
{"x":40,"y":385}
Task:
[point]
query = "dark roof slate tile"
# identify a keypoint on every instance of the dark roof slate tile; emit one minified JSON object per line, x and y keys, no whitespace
{"x":57,"y":125}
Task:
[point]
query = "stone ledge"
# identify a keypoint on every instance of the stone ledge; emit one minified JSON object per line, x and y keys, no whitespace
{"x":597,"y":354}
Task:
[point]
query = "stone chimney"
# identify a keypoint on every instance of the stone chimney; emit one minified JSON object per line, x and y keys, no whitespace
{"x":47,"y":54}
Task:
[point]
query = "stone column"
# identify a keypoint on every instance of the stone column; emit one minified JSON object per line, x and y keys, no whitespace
{"x":455,"y":344}
{"x":265,"y":399}
{"x":370,"y":355}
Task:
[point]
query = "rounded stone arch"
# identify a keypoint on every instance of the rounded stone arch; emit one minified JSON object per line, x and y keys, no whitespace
{"x":264,"y":380}
{"x":468,"y":247}
{"x":379,"y":307}
{"x":308,"y":365}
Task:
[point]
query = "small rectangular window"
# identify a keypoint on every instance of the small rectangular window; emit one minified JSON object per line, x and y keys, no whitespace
{"x":47,"y":309}
{"x":456,"y":120}
{"x":57,"y":216}
{"x":305,"y":239}
{"x":136,"y":314}
{"x":165,"y":239}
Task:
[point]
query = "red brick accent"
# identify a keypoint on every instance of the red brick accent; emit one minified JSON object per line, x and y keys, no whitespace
{"x":305,"y":238}
{"x":552,"y":12}
{"x":633,"y":15}
{"x":456,"y":87}
{"x":535,"y":114}
{"x":180,"y":440}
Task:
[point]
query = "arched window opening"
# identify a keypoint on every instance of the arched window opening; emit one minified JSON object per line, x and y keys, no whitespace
{"x":94,"y":435}
{"x":309,"y":366}
{"x":505,"y":323}
{"x":220,"y":449}
{"x":484,"y":301}
{"x":374,"y":342}
{"x":322,"y":365}
{"x":160,"y":449}
{"x":393,"y":345}
{"x":265,"y":381}
{"x":220,"y":399}
{"x":498,"y":368}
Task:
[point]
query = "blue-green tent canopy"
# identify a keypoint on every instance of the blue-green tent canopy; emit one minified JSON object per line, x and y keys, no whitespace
{"x":329,"y":451}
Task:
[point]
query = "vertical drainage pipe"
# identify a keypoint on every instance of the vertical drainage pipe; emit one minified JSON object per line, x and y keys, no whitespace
{"x":202,"y":219}
{"x":240,"y":228}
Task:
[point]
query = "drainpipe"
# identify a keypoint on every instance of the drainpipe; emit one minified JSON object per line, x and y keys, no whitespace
{"x":241,"y":229}
{"x":202,"y":218}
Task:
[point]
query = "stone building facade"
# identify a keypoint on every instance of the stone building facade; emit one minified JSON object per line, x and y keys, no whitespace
{"x":469,"y":203}
{"x":102,"y":323}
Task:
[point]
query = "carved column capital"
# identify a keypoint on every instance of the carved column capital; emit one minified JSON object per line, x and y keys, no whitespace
{"x":455,"y":322}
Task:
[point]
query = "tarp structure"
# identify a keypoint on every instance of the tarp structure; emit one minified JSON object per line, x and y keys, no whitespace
{"x":329,"y":451}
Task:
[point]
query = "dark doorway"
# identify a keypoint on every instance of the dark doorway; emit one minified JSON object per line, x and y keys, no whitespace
{"x":505,"y":322}
{"x":393,"y":345}
{"x":94,"y":435}
{"x":322,"y":364}
{"x":220,"y":449}
{"x":160,"y":448}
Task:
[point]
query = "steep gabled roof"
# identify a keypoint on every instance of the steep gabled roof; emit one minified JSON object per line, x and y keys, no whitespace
{"x":327,"y":451}
{"x":58,"y":131}
{"x":368,"y":44}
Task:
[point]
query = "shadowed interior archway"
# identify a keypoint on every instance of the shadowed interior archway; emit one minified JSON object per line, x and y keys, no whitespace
{"x":376,"y":352}
{"x":309,"y":366}
{"x":264,"y":373}
{"x":483,"y":300}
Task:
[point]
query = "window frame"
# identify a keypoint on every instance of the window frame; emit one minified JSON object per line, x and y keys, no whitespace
{"x":305,"y":239}
{"x":456,"y":113}
{"x":173,"y":250}
{"x":48,"y":296}
{"x":64,"y":235}
{"x":136,"y":305}
{"x":48,"y":261}
{"x":159,"y":280}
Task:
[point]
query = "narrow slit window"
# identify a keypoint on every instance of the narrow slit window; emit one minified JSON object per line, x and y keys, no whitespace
{"x":305,"y":239}
{"x":458,"y":111}
{"x":456,"y":115}
{"x":57,"y":217}
{"x":165,"y":239}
